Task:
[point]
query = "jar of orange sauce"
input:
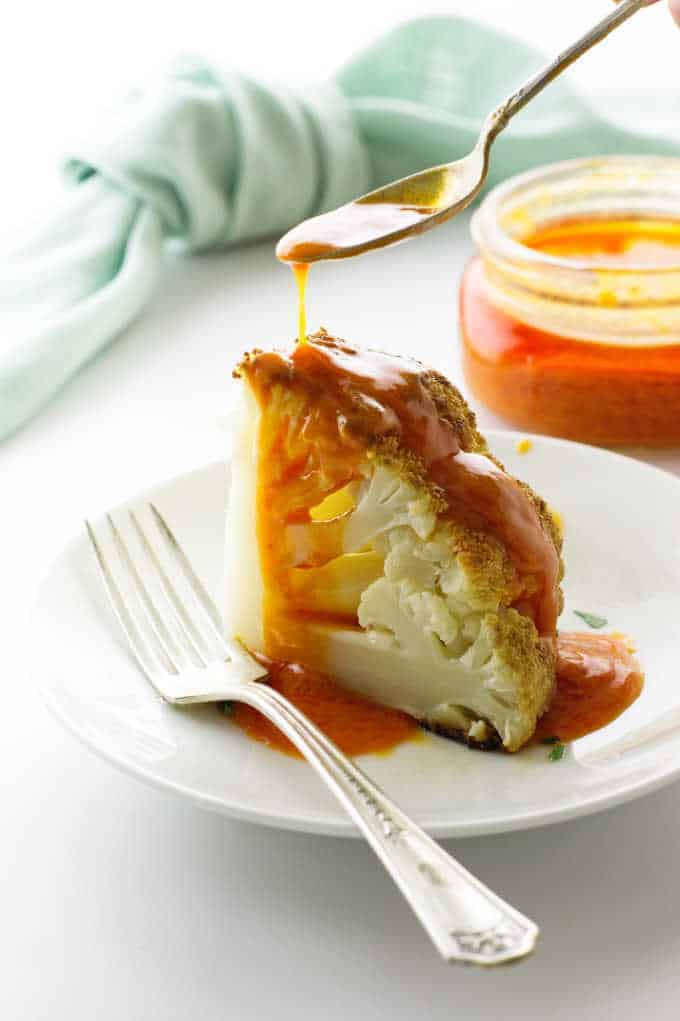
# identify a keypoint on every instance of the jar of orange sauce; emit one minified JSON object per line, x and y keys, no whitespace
{"x":570,"y":312}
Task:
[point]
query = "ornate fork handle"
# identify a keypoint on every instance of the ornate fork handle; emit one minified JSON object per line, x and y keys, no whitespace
{"x":464,"y":919}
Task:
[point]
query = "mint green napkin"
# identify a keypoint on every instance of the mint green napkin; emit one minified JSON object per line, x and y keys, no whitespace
{"x":209,"y":159}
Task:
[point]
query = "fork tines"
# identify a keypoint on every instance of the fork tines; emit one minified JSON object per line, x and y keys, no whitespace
{"x":169,"y":619}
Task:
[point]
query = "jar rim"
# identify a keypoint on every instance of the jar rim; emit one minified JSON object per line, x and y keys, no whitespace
{"x":489,"y":234}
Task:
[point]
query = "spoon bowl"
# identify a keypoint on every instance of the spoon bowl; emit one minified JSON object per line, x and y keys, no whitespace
{"x":389,"y":214}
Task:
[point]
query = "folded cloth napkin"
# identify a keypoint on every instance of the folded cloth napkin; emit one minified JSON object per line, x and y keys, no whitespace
{"x":208,"y":159}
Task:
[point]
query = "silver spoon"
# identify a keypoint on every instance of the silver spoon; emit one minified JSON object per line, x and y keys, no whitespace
{"x":419,"y":202}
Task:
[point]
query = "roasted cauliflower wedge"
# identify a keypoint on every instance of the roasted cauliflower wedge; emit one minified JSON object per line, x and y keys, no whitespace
{"x":373,"y":536}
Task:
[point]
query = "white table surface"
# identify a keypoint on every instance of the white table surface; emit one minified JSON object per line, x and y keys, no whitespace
{"x":122,"y":904}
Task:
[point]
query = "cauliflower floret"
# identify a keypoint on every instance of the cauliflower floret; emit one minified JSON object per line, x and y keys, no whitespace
{"x":425,"y":606}
{"x":386,"y":501}
{"x":497,"y":687}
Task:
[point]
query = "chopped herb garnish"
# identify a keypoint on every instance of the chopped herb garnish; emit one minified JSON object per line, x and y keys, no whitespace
{"x":591,"y":619}
{"x":557,"y":752}
{"x":550,"y":740}
{"x":227,"y":708}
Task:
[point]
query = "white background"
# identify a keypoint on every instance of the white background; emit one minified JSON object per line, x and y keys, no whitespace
{"x":120,"y":904}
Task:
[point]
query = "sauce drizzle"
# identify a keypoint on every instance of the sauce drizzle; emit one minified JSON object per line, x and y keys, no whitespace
{"x":341,"y":233}
{"x":301,"y":272}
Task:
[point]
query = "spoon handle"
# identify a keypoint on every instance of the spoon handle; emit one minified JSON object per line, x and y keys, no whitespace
{"x":498,"y":119}
{"x":465,"y":920}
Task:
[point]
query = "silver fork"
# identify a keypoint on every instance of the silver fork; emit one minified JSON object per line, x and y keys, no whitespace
{"x":175,"y":633}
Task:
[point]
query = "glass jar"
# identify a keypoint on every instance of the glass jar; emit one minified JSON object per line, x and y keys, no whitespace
{"x":584,"y":346}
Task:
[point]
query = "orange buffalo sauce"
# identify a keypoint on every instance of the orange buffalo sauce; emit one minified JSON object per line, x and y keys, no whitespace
{"x":597,"y":679}
{"x":356,"y":725}
{"x":608,"y":393}
{"x":301,"y":272}
{"x":622,"y":242}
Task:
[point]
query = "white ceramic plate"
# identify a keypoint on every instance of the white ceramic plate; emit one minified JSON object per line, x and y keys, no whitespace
{"x":622,"y":550}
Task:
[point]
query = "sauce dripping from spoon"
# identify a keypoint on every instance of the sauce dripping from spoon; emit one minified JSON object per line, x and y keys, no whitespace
{"x":301,"y":272}
{"x":341,"y":233}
